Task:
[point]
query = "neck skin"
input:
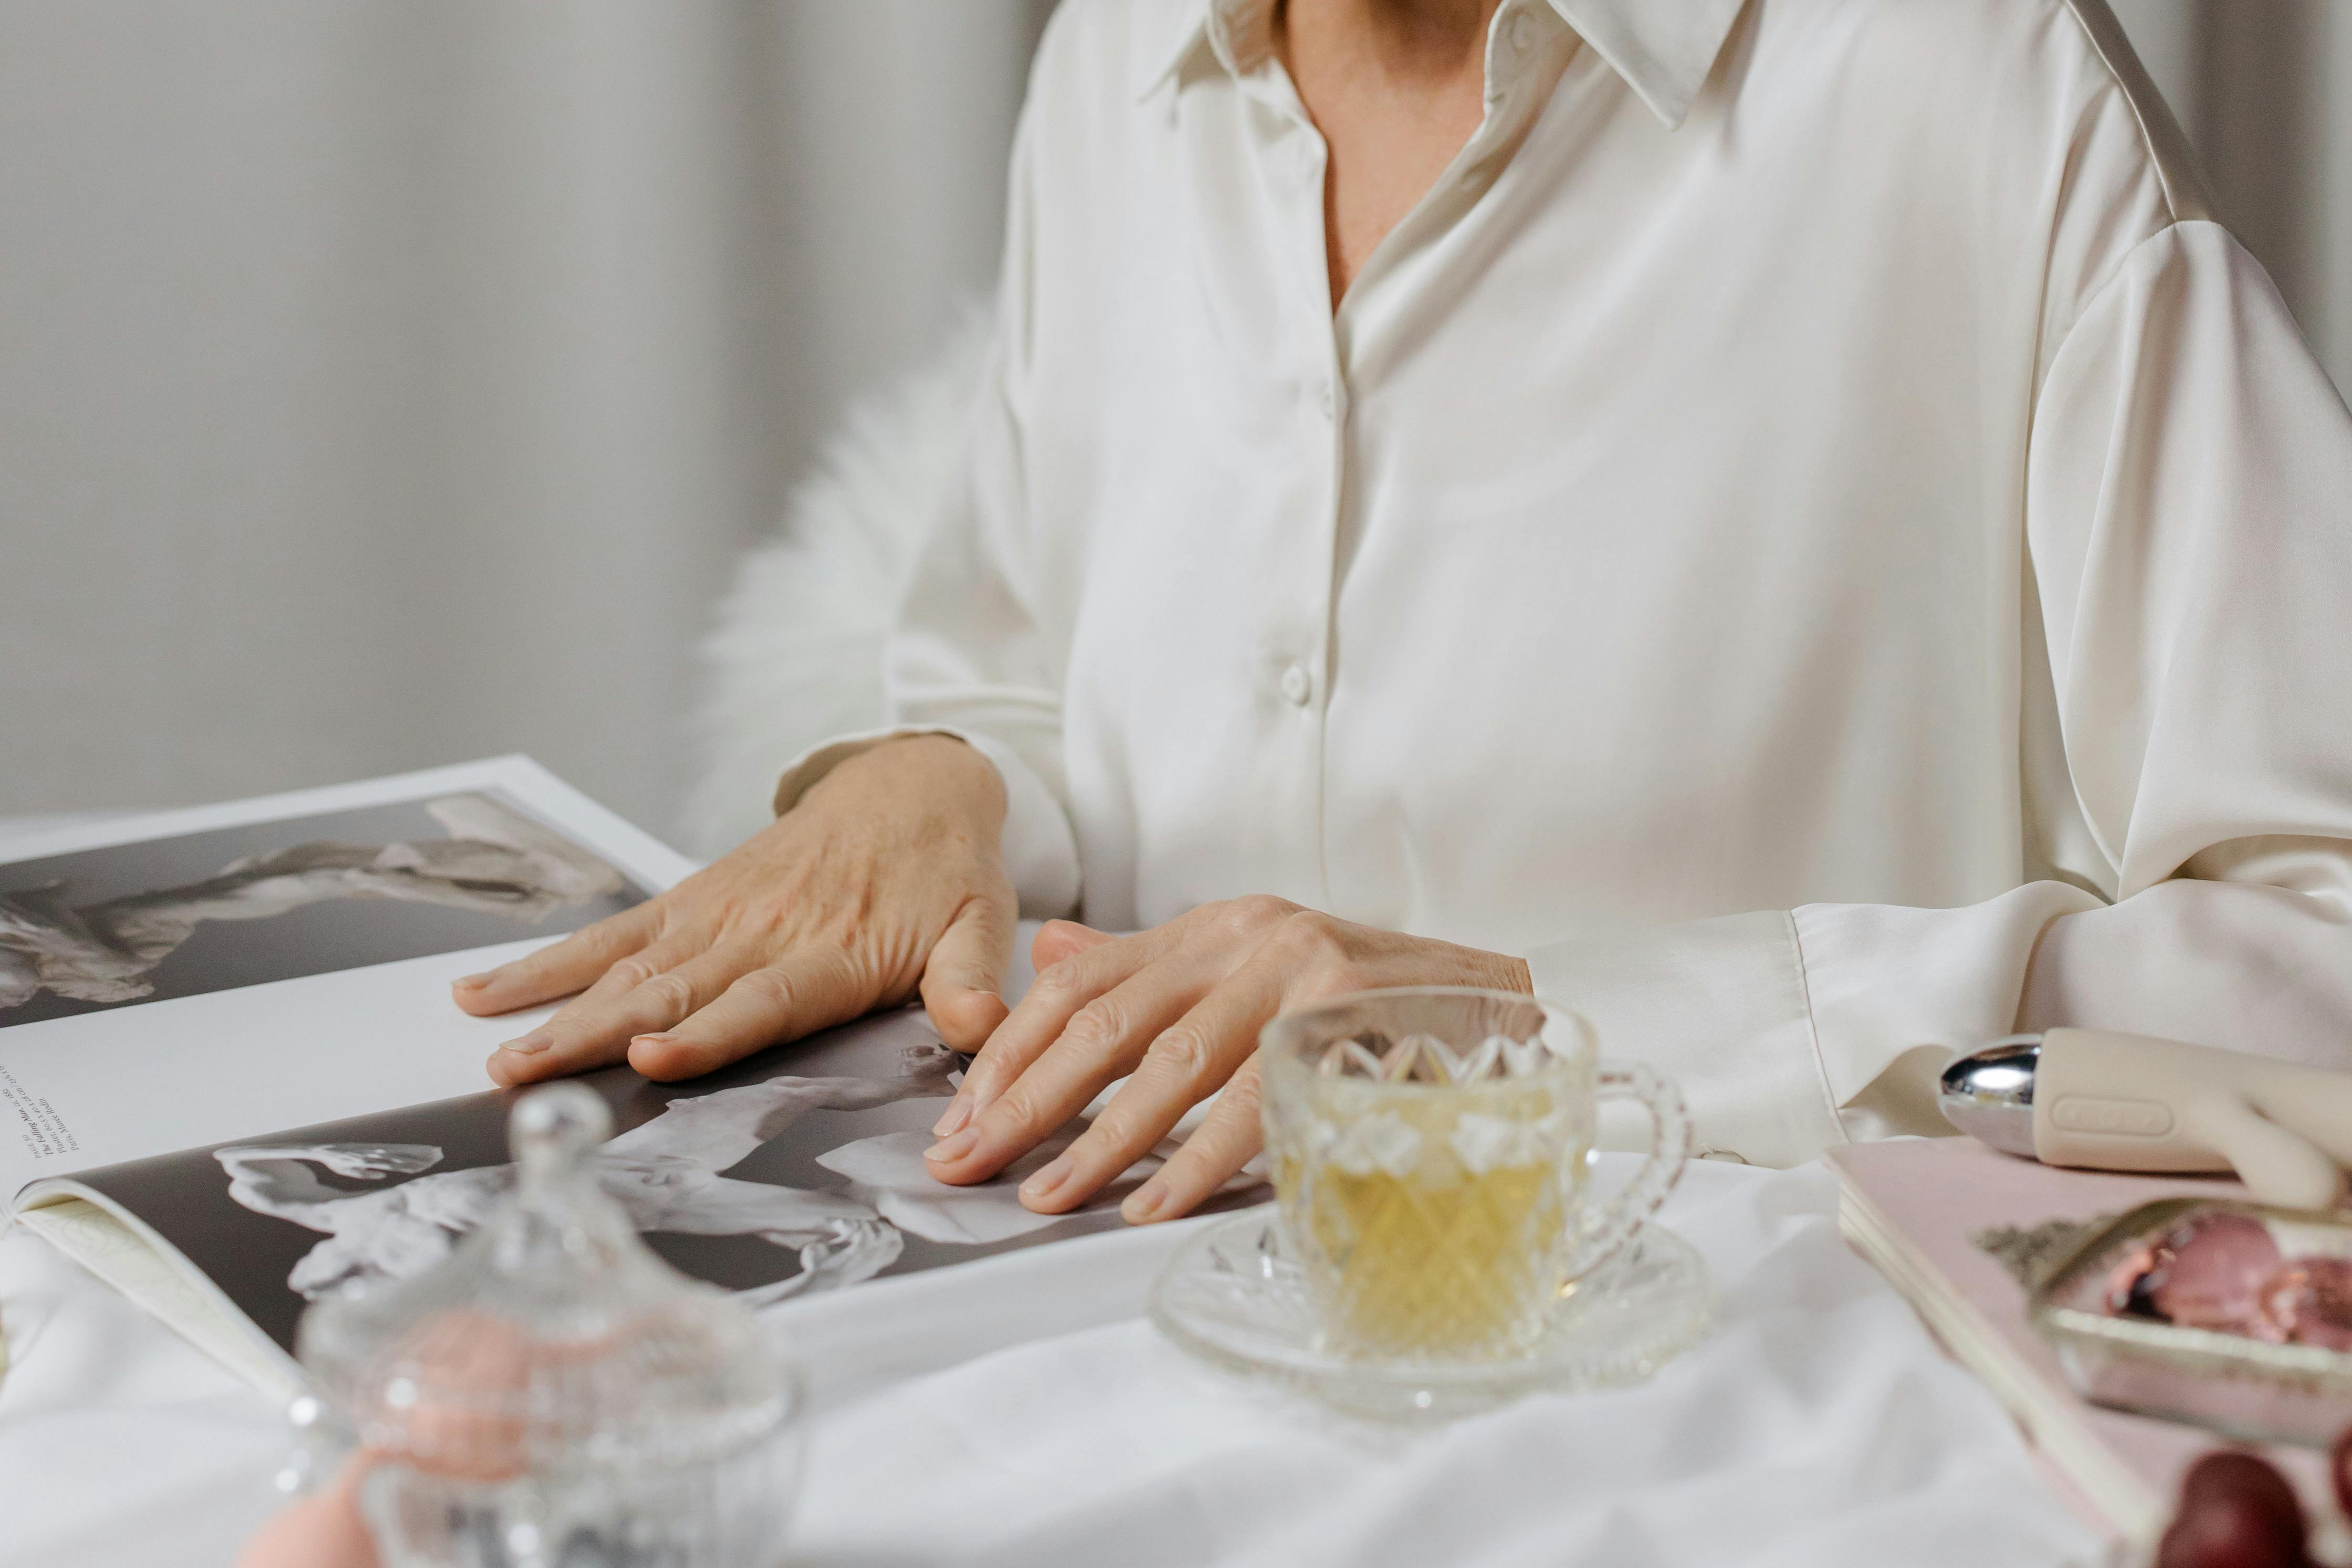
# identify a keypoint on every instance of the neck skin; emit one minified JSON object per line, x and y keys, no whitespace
{"x":1396,"y":87}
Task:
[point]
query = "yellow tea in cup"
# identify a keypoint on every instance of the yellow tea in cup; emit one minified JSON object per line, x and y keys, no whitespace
{"x":1429,"y":1150}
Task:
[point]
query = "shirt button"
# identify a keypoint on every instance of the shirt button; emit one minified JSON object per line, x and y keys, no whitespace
{"x":1523,"y":32}
{"x":1327,"y":398}
{"x":1297,"y":686}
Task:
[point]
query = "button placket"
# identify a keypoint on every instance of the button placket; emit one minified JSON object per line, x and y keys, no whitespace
{"x":1295,"y":644}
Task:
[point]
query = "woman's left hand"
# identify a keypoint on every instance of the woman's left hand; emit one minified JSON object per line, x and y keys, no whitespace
{"x":1180,"y":1007}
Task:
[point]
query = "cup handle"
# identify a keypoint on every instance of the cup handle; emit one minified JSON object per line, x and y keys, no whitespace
{"x":1600,"y":1235}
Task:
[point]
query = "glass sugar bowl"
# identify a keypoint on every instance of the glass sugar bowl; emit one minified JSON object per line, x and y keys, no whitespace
{"x":552,"y":1395}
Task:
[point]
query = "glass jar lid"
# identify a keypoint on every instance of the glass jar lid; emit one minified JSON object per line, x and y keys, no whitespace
{"x":551,"y":1340}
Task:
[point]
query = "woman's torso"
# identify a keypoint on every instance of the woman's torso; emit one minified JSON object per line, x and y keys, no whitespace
{"x":1661,"y":552}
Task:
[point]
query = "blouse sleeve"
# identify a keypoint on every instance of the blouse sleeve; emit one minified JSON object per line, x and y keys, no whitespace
{"x":975,"y":652}
{"x":2188,"y":530}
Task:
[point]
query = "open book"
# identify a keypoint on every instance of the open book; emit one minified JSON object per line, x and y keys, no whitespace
{"x":1958,"y":1227}
{"x":232,"y":1079}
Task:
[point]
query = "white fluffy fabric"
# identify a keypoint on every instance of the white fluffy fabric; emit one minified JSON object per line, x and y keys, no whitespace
{"x":796,"y":656}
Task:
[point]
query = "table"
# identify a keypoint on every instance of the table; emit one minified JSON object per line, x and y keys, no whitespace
{"x":1021,"y":1412}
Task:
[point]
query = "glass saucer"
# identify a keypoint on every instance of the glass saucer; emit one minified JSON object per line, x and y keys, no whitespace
{"x":1233,"y":1296}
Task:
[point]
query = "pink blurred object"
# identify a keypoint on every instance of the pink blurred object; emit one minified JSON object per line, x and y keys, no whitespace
{"x":552,"y":1384}
{"x":2310,"y":1302}
{"x":2216,"y":1277}
{"x":322,"y":1531}
{"x":2225,"y":1273}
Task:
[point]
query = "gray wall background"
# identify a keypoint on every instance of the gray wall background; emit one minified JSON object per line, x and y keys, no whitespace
{"x":384,"y":383}
{"x":2264,"y":89}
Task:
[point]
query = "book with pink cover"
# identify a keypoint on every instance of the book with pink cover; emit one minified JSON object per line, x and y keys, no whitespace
{"x":1943,"y":1219}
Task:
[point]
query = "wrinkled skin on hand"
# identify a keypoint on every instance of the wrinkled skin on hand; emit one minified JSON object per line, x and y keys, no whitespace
{"x":1180,"y":1007}
{"x":884,"y":882}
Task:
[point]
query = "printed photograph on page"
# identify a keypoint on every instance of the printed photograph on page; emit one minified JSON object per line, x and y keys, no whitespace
{"x":798,"y":1171}
{"x":125,"y":924}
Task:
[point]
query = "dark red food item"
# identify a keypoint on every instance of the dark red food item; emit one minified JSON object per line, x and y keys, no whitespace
{"x":2223,"y":1273}
{"x":2215,"y":1277}
{"x":2236,"y":1512}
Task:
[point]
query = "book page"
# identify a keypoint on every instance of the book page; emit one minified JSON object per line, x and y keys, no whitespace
{"x":796,"y":1173}
{"x":120,"y":1251}
{"x":1930,"y":1212}
{"x":194,"y":977}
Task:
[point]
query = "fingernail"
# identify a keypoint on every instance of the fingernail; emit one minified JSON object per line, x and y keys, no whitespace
{"x":1144,"y":1202}
{"x":469,"y":982}
{"x":1048,"y":1178}
{"x":958,"y":1112}
{"x":950,"y":1149}
{"x":531,"y":1044}
{"x":653,"y":1040}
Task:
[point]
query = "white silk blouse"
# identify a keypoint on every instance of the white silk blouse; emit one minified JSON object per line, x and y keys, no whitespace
{"x":1808,"y":532}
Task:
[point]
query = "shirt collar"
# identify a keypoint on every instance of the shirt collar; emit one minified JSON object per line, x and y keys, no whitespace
{"x":1193,"y":26}
{"x":1665,"y":49}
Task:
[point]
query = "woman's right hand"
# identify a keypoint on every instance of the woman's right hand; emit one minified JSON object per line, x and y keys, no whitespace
{"x":885,"y":881}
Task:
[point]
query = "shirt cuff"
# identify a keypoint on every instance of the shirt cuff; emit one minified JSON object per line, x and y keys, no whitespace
{"x":1041,"y":854}
{"x":1896,"y":992}
{"x":1717,"y":1006}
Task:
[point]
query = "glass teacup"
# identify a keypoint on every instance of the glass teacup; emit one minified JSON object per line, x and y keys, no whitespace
{"x":1429,"y":1153}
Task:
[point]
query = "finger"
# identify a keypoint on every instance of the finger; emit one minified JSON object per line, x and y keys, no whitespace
{"x":663,"y":954}
{"x":1228,"y":1138}
{"x":1053,"y":1000}
{"x":568,"y":966}
{"x":558,"y":1039}
{"x":1060,"y":939}
{"x":1191,"y":1059}
{"x":964,"y":979}
{"x":1103,"y":1040}
{"x":803,"y":991}
{"x":651,"y":991}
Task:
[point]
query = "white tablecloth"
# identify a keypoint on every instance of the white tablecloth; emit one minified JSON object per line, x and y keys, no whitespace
{"x":1019,"y":1411}
{"x":1817,"y":1426}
